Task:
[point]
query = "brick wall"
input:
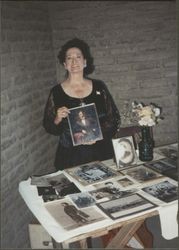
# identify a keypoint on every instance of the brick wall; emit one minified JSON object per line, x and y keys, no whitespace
{"x":27,"y":73}
{"x":134,"y":49}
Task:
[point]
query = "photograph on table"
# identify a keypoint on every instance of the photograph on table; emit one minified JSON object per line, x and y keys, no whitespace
{"x":124,"y":150}
{"x":109,"y":190}
{"x":63,"y":185}
{"x":125,"y":206}
{"x":39,"y":181}
{"x":70,"y":216}
{"x":84,"y":124}
{"x":125,"y":182}
{"x":141,"y":173}
{"x":169,"y":152}
{"x":91,"y":173}
{"x":83,"y":199}
{"x":164,"y":191}
{"x":162,"y":165}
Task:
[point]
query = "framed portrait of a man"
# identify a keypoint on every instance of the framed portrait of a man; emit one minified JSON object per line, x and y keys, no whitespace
{"x":84,"y":124}
{"x":124,"y":151}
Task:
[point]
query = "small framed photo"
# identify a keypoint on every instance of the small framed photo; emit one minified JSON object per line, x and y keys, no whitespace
{"x":84,"y":124}
{"x":124,"y":150}
{"x":125,"y":206}
{"x":91,"y":173}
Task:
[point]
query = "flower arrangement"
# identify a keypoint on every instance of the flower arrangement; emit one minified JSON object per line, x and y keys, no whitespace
{"x":146,"y":115}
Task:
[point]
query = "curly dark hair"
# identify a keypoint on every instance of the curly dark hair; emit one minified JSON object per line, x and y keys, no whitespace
{"x":84,"y":47}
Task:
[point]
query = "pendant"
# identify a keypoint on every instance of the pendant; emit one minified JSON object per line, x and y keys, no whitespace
{"x":82,"y":103}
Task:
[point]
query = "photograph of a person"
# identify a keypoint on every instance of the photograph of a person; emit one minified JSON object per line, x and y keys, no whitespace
{"x":63,"y":185}
{"x":84,"y":124}
{"x":110,"y":191}
{"x":141,"y":173}
{"x":125,"y":154}
{"x":70,"y":216}
{"x":91,"y":173}
{"x":83,"y":199}
{"x":125,"y":182}
{"x":129,"y":205}
{"x":164,"y":191}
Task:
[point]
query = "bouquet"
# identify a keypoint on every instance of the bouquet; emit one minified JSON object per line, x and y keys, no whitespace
{"x":146,"y":115}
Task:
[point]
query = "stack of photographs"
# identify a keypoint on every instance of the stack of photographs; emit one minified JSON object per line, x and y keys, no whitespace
{"x":54,"y":187}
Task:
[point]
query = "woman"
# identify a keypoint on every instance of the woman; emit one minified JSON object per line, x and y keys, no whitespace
{"x":77,"y":89}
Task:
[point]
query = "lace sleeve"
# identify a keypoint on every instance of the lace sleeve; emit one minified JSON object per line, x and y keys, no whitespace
{"x":49,"y":117}
{"x":112,"y":120}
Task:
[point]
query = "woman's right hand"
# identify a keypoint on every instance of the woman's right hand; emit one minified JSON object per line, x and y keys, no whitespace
{"x":61,"y":113}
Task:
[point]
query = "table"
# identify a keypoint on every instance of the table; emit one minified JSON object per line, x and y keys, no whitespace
{"x":126,"y":227}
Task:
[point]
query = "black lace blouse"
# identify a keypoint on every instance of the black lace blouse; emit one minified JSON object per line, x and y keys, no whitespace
{"x":68,"y":155}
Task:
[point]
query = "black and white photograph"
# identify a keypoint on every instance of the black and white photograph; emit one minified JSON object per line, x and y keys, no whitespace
{"x":91,"y":173}
{"x":70,"y":216}
{"x":162,"y":165}
{"x":83,"y":199}
{"x":63,"y":185}
{"x":124,"y":150}
{"x":84,"y":124}
{"x":125,"y":206}
{"x":164,"y":191}
{"x":39,"y":181}
{"x":125,"y":182}
{"x":142,"y":173}
{"x":110,"y":191}
{"x":170,"y":152}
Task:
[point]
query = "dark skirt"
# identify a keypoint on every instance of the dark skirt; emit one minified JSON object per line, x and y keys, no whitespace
{"x":67,"y":157}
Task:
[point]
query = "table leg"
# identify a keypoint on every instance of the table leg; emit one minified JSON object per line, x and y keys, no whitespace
{"x":125,"y":233}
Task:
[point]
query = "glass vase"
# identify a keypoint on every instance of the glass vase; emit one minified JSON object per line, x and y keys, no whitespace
{"x":146,"y":144}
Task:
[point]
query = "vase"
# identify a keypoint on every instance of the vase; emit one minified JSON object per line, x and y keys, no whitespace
{"x":146,"y":144}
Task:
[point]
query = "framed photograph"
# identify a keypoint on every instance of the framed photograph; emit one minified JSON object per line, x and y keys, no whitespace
{"x":91,"y":173}
{"x":141,"y":173}
{"x":125,"y":154}
{"x":84,"y":124}
{"x":70,"y":217}
{"x":125,"y":206}
{"x":164,"y":191}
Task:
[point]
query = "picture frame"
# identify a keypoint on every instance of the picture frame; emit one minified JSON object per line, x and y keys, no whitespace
{"x":91,"y":173}
{"x":84,"y":124}
{"x":125,"y":206}
{"x":124,"y":150}
{"x":164,"y":191}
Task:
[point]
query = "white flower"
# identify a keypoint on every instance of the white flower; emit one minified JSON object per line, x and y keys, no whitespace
{"x":146,"y":115}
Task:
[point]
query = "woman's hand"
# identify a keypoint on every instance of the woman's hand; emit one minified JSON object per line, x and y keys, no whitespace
{"x":61,"y":113}
{"x":89,"y":143}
